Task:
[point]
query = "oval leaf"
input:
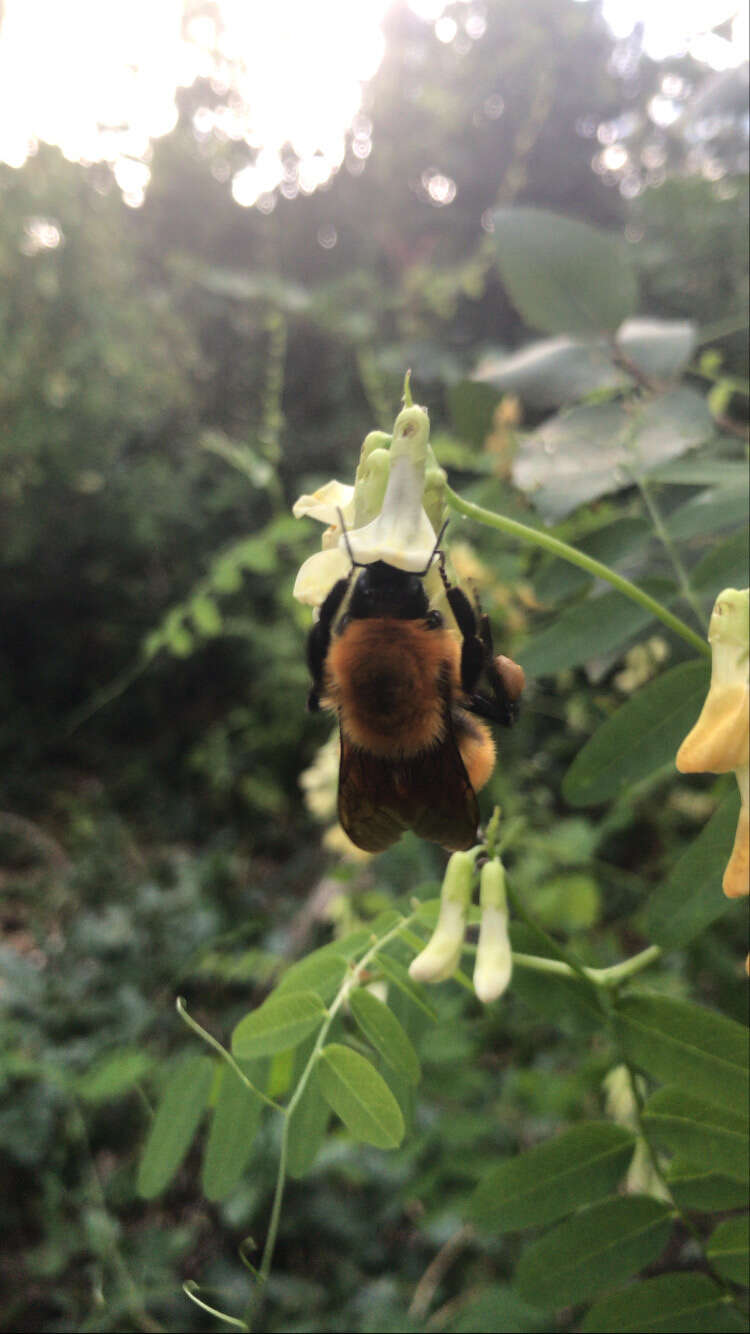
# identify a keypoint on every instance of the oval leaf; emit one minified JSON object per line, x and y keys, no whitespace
{"x":691,"y":897}
{"x":681,"y":1043}
{"x":659,"y":348}
{"x":307,"y":1127}
{"x":176,"y":1121}
{"x":589,"y":630}
{"x":383,"y":1030}
{"x":552,"y":372}
{"x":684,"y":1302}
{"x":699,"y":1130}
{"x":234,"y":1126}
{"x":593,"y":1250}
{"x":278,"y":1024}
{"x":699,"y":1188}
{"x":553,"y":1179}
{"x":563,"y":276}
{"x":360,"y":1097}
{"x":729,"y":1249}
{"x":598,"y":448}
{"x":323,"y":971}
{"x":640,"y":737}
{"x":398,"y":975}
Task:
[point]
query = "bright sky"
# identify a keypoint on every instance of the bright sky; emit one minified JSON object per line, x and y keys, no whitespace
{"x":99,"y":77}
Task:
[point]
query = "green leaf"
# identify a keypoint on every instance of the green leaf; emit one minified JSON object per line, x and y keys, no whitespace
{"x":323,"y":971}
{"x":556,"y":371}
{"x":552,"y":372}
{"x":564,"y":277}
{"x":699,"y":1130}
{"x":729,"y":1249}
{"x":599,"y":448}
{"x":678,"y":1042}
{"x":669,"y":1303}
{"x":569,"y":1003}
{"x":691,"y":897}
{"x":234,"y":1126}
{"x":702,"y":1189}
{"x":708,"y":513}
{"x":659,"y":348}
{"x":553,"y":1178}
{"x":558,"y":579}
{"x":589,"y":629}
{"x":307,"y":1127}
{"x":175,"y":1123}
{"x":114,"y":1074}
{"x":206,"y":615}
{"x":398,"y":975}
{"x":383,"y":1030}
{"x":724,"y":473}
{"x":725,"y":565}
{"x":279,"y":1023}
{"x":593,"y":1250}
{"x":495,"y":1307}
{"x":360,"y":1097}
{"x":640,"y":737}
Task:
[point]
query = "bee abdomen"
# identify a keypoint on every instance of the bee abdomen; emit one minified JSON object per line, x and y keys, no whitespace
{"x":386,"y":679}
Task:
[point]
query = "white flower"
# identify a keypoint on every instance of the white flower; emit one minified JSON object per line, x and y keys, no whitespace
{"x":383,"y":514}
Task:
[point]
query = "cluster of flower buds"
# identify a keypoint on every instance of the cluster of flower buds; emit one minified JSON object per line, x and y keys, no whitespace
{"x":441,"y":956}
{"x":720,"y":740}
{"x":393,"y":512}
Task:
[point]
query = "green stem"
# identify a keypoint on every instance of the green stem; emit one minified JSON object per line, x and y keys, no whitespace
{"x":351,"y":981}
{"x":662,"y":533}
{"x":601,"y":977}
{"x":224,"y":1054}
{"x":561,"y":549}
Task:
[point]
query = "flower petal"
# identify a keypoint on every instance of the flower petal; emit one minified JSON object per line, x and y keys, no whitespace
{"x":736,"y":880}
{"x":316,"y":577}
{"x":324,"y":503}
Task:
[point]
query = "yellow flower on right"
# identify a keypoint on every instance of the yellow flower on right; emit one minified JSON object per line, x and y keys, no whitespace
{"x":720,"y":740}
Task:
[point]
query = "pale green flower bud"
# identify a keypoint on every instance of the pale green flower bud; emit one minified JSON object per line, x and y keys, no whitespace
{"x":372,"y":477}
{"x":494,"y":962}
{"x":433,"y":497}
{"x":441,"y":956}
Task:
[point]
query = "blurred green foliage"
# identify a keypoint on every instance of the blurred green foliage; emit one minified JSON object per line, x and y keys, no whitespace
{"x":170,"y":380}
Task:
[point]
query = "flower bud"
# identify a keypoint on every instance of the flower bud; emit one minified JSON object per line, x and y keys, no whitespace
{"x":494,"y":962}
{"x":441,"y":956}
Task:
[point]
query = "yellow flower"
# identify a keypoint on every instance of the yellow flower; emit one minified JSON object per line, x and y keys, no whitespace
{"x":720,"y":739}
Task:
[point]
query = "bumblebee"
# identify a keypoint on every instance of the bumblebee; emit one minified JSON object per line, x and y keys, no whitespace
{"x":410,"y":697}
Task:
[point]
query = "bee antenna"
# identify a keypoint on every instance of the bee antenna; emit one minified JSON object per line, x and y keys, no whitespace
{"x":435,"y":550}
{"x":346,"y":540}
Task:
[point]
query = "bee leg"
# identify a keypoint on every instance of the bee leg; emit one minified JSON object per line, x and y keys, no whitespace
{"x":478,"y":660}
{"x":472,"y":648}
{"x":319,"y":641}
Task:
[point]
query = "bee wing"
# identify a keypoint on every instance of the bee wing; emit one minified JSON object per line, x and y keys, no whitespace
{"x":430,"y":793}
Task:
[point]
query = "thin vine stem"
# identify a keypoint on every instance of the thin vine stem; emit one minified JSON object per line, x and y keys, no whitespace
{"x":350,"y":981}
{"x":662,"y":532}
{"x":224,"y":1054}
{"x":535,"y":537}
